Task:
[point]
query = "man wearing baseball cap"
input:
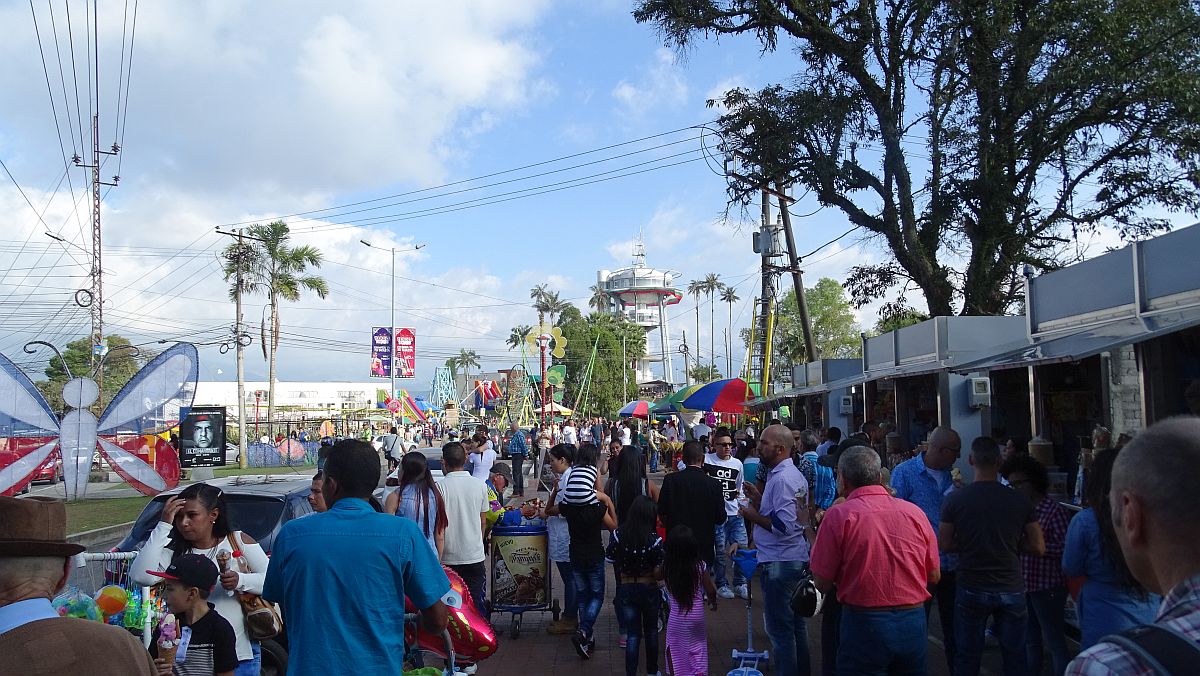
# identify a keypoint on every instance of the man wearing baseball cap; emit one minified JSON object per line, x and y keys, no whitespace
{"x":35,"y":561}
{"x":205,"y":642}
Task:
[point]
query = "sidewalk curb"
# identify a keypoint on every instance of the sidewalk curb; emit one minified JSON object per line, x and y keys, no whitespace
{"x":88,"y":538}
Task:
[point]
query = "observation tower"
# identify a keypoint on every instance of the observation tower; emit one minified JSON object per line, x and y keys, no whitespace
{"x":641,"y":294}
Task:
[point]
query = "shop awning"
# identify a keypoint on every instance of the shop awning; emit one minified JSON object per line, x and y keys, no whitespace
{"x":1088,"y":342}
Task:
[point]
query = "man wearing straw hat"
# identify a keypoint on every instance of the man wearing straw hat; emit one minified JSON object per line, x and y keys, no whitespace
{"x":35,"y":561}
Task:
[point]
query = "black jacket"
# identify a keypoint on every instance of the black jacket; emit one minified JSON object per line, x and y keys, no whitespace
{"x":692,"y":498}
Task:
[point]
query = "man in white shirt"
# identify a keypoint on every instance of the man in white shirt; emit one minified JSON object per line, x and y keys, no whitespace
{"x":569,"y":434}
{"x":467,"y":507}
{"x":700,"y":430}
{"x":626,"y":435}
{"x":721,"y":465}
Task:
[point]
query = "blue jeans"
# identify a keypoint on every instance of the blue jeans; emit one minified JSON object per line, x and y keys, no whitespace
{"x":589,"y":589}
{"x":252,"y":666}
{"x":883,"y":642}
{"x":733,"y":530}
{"x":973,"y":607}
{"x":787,"y":630}
{"x":639,"y":606}
{"x":570,"y":601}
{"x":1045,"y":629}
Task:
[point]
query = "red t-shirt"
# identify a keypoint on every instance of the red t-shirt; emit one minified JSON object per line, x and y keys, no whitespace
{"x":879,"y":550}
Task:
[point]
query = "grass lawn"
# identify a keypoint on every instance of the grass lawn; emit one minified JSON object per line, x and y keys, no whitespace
{"x":236,"y":471}
{"x":84,"y":515}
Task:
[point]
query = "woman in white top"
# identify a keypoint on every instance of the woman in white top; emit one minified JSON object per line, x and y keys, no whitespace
{"x":196,"y":522}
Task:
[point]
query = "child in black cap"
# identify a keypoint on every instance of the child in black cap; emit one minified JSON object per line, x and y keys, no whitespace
{"x":204,"y":642}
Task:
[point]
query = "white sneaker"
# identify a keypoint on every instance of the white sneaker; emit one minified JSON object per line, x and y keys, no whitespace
{"x":725,"y":592}
{"x":469,"y":669}
{"x":743,"y":591}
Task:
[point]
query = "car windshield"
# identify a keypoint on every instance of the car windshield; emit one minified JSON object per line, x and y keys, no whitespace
{"x":252,"y":514}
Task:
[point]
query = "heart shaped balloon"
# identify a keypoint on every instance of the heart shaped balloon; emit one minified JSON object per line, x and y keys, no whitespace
{"x":471,"y":635}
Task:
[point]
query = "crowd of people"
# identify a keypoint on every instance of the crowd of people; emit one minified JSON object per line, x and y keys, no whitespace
{"x":996,"y":555}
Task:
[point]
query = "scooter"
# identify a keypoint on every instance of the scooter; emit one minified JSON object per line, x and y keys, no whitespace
{"x":748,"y":660}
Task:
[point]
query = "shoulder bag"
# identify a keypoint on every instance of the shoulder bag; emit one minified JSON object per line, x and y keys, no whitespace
{"x":262,"y":620}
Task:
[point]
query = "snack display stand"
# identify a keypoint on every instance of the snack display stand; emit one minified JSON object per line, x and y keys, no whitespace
{"x":520,"y":574}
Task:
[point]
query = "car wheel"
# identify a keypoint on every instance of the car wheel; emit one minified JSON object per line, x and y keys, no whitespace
{"x":274,"y":659}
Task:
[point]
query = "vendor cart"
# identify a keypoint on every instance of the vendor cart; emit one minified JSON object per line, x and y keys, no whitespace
{"x":520,"y":572}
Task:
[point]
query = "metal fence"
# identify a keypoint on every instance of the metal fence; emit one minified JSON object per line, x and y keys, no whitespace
{"x":94,"y":570}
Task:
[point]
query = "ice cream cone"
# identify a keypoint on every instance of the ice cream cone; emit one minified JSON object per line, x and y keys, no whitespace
{"x":168,"y":654}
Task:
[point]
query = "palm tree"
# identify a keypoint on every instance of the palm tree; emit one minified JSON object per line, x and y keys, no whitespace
{"x":712,"y":285}
{"x":696,"y":288}
{"x":279,"y":271}
{"x":599,"y":299}
{"x":452,"y":364}
{"x":518,"y":336}
{"x":467,"y":360}
{"x":729,"y":296}
{"x":555,"y":305}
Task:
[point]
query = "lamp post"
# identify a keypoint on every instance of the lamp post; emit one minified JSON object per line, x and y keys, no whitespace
{"x":392,"y":325}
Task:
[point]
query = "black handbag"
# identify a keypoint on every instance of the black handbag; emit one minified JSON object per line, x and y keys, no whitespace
{"x":806,"y":599}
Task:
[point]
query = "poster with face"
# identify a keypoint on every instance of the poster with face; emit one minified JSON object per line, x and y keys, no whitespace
{"x":202,"y":437}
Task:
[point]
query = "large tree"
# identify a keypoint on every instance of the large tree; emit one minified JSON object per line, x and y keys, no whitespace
{"x":120,"y":364}
{"x":279,"y":270}
{"x":609,"y":376}
{"x":971,"y":138}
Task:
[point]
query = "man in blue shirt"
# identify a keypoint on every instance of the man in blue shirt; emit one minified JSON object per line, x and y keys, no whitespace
{"x":341,"y":577}
{"x":925,"y":481}
{"x":518,"y":448}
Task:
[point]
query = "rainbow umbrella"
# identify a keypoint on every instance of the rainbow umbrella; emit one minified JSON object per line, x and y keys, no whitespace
{"x":720,"y":396}
{"x":638,"y":408}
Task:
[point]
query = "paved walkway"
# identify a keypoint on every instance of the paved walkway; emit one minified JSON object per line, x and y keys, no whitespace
{"x":539,"y":651}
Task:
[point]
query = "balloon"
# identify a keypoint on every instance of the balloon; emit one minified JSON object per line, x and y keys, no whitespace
{"x":74,"y":603}
{"x":470,"y":634}
{"x":111,"y":599}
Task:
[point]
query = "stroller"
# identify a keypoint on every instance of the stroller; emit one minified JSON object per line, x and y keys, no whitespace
{"x":748,"y":660}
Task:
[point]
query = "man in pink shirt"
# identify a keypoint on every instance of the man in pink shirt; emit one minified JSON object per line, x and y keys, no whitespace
{"x":882,"y":555}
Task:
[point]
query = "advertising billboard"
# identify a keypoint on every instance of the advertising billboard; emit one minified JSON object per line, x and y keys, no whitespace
{"x":406,"y":353}
{"x":381,"y":352}
{"x":202,"y":437}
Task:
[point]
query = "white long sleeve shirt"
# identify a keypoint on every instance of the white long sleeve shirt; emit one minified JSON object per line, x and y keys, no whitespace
{"x":156,"y":555}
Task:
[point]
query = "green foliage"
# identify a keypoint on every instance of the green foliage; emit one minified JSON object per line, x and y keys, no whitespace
{"x":517,"y":336}
{"x":466,"y":360}
{"x":119,"y":366}
{"x":893,"y":316}
{"x":835,"y":333}
{"x":605,"y":392}
{"x":704,"y":373}
{"x":955,"y":131}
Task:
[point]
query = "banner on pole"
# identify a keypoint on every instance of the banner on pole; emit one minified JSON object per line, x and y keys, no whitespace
{"x":381,"y":352}
{"x":405,"y":355}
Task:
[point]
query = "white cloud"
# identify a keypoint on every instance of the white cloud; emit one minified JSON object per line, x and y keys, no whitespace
{"x":660,"y":84}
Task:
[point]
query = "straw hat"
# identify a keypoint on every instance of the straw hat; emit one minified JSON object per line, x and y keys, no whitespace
{"x":34,"y":527}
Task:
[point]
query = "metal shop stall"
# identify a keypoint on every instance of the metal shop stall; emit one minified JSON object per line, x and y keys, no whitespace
{"x":911,"y":385}
{"x":1114,"y":341}
{"x":824,"y":395}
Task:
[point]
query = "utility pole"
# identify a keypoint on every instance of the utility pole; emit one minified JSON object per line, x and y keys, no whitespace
{"x":687,"y":374}
{"x":241,"y":341}
{"x":810,"y":350}
{"x":624,"y":371}
{"x":760,"y":346}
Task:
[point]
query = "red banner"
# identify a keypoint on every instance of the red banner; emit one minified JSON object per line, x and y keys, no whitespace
{"x":405,"y":355}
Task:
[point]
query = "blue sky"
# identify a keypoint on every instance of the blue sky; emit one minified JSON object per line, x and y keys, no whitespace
{"x":238,"y":113}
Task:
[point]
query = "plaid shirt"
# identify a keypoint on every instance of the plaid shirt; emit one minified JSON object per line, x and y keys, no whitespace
{"x":1180,"y":611}
{"x":1045,"y":572}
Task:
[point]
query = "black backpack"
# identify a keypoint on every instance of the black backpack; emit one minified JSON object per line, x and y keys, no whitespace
{"x":1165,"y":650}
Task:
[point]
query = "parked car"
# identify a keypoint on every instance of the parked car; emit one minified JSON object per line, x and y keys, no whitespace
{"x":51,"y":472}
{"x":258,"y":505}
{"x":233,"y":455}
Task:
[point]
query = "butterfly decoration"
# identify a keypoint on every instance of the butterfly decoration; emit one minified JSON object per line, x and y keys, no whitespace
{"x":152,"y":402}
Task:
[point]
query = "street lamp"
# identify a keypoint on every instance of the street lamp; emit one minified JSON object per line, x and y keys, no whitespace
{"x":392,"y":326}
